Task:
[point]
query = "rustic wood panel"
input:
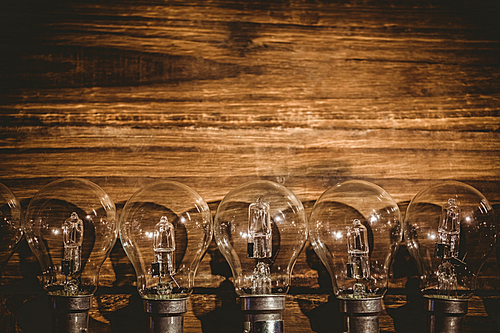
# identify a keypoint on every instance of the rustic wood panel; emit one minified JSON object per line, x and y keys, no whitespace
{"x":216,"y":93}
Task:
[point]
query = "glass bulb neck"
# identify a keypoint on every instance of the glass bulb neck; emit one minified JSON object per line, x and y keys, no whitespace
{"x":261,"y":279}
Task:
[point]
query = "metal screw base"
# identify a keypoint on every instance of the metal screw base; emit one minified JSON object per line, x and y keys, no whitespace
{"x":445,"y":316}
{"x":71,"y":314}
{"x":263,"y":314}
{"x":361,"y":315}
{"x":166,"y":316}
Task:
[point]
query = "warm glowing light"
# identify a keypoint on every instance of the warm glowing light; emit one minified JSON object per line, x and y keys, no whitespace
{"x":338,"y":234}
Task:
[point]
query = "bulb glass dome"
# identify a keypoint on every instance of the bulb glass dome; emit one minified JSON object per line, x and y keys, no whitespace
{"x":71,"y":227}
{"x":165,"y":229}
{"x":450,"y":230}
{"x":260,"y":228}
{"x":10,"y":224}
{"x":355,"y":229}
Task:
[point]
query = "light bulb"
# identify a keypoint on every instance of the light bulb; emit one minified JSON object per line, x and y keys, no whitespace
{"x":355,"y":229}
{"x":450,"y":230}
{"x":71,"y":227}
{"x":260,"y":228}
{"x":165,"y":229}
{"x":10,"y":225}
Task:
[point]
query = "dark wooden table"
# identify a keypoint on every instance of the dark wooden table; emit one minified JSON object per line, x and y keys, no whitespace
{"x":214,"y":93}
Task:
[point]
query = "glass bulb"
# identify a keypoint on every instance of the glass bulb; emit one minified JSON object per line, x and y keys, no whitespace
{"x":260,"y":228}
{"x":355,"y":229}
{"x":71,"y":227}
{"x":10,"y":224}
{"x":165,"y":229}
{"x":450,"y":232}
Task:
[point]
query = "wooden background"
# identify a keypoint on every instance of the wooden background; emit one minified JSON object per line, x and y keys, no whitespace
{"x":402,"y":93}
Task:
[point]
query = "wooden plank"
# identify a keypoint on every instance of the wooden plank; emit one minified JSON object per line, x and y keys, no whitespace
{"x":213,"y":94}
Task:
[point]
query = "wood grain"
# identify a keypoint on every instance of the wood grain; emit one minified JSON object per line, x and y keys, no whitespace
{"x":216,"y":93}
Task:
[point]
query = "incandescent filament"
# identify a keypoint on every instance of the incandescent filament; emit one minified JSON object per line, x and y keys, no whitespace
{"x":259,"y":245}
{"x":72,"y":242}
{"x":164,"y":249}
{"x":358,"y":266}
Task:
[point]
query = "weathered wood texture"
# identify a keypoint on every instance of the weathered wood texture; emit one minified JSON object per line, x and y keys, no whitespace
{"x":215,"y":93}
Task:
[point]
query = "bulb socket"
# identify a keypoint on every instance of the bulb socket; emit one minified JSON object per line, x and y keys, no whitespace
{"x":361,"y":315}
{"x":70,"y":314}
{"x":445,"y":315}
{"x":165,"y":316}
{"x":263,"y":314}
